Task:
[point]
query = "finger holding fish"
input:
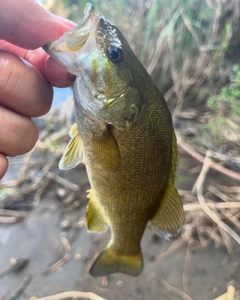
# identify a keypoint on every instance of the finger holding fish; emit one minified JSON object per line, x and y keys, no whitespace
{"x":27,"y":72}
{"x":22,"y":133}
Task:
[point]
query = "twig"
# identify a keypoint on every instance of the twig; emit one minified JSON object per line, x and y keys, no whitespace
{"x":21,"y":287}
{"x":203,"y":241}
{"x":62,"y":181}
{"x":4,"y":295}
{"x":71,"y":294}
{"x":230,"y":292}
{"x":199,"y":157}
{"x":219,"y":194}
{"x":80,"y":223}
{"x":226,"y":240}
{"x":206,"y":209}
{"x":216,"y":24}
{"x":55,"y":136}
{"x":54,"y":267}
{"x":220,"y":205}
{"x":11,"y":216}
{"x":173,"y":289}
{"x":174,"y":247}
{"x":16,"y":265}
{"x":213,"y":236}
{"x":229,"y":295}
{"x":12,"y":213}
{"x":38,"y":194}
{"x":201,"y":236}
{"x":233,"y":189}
{"x":185,"y":269}
{"x":231,"y":218}
{"x":9,"y":220}
{"x":188,"y":23}
{"x":35,"y":181}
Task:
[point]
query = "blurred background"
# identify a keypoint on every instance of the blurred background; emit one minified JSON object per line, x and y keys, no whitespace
{"x":191,"y":49}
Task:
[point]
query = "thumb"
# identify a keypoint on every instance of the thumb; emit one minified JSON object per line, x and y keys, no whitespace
{"x":27,"y":24}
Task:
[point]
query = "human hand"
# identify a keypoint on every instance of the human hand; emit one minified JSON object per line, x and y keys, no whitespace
{"x":26,"y":73}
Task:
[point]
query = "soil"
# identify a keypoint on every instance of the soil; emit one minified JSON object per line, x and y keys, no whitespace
{"x":42,"y":237}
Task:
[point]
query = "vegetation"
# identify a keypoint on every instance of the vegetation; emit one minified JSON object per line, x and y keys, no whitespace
{"x":224,"y":125}
{"x":229,"y":95}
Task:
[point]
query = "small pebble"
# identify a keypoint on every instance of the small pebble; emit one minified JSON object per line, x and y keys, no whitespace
{"x":236,"y":264}
{"x":215,"y":290}
{"x":65,"y":224}
{"x":45,"y":289}
{"x":61,"y":193}
{"x":120,"y":283}
{"x":59,"y":289}
{"x":224,"y":262}
{"x":77,"y":257}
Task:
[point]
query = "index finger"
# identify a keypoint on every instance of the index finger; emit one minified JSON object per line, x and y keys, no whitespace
{"x":57,"y":75}
{"x":28,"y":25}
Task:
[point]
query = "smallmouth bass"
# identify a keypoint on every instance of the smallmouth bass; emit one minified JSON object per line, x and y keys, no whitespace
{"x":125,"y":137}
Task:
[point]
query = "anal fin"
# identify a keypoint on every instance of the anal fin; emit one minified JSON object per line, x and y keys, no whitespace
{"x":96,"y":221}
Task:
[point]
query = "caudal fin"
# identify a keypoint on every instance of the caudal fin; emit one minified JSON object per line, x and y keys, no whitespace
{"x":109,"y":262}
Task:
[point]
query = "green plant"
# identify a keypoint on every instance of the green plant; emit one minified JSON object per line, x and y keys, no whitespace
{"x":229,"y":96}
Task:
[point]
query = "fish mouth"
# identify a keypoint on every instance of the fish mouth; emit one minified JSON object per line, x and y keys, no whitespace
{"x":72,"y":42}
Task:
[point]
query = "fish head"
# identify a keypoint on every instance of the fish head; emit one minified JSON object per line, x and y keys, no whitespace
{"x":97,"y":53}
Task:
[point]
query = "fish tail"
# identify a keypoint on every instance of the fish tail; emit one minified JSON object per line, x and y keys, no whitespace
{"x":109,"y":262}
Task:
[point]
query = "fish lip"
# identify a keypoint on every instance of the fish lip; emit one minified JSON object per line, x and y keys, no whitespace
{"x":88,"y":10}
{"x":71,"y":39}
{"x":78,"y":36}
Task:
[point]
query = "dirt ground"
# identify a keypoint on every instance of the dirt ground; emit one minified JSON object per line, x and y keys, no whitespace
{"x":60,"y":254}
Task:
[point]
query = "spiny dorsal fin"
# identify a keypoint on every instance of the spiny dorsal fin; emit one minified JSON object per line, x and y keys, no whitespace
{"x":73,"y":154}
{"x":168,"y":220}
{"x":109,"y":262}
{"x":96,"y":221}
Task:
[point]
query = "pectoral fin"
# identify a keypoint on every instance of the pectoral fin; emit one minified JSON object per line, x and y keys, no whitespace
{"x":73,"y":154}
{"x":107,"y":152}
{"x":73,"y":131}
{"x":96,"y":221}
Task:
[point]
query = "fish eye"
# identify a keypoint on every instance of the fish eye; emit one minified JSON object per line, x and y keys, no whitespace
{"x":115,"y":54}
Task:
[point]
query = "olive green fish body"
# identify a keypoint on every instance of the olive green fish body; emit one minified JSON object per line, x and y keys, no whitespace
{"x":125,"y":137}
{"x":139,"y":177}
